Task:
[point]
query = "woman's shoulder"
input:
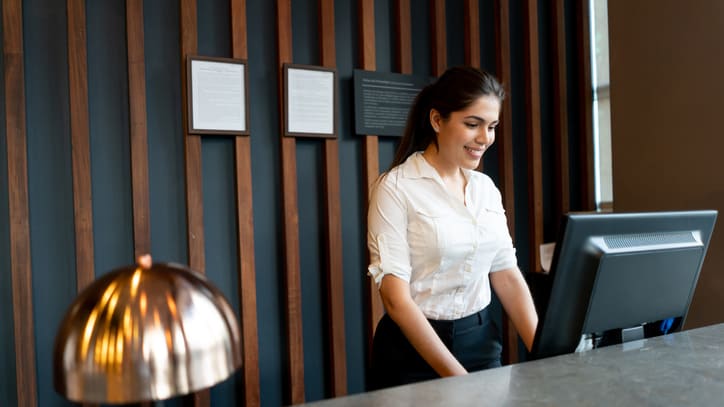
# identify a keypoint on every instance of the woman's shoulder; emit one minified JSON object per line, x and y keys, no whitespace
{"x":481,"y":179}
{"x":484,"y":189}
{"x":396,"y":174}
{"x":388,"y":182}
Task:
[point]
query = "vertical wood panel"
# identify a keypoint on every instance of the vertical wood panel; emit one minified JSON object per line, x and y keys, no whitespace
{"x":290,"y":219}
{"x":471,"y":12}
{"x":135,"y":49}
{"x":80,"y":143}
{"x":192,"y":159}
{"x":585,"y":101}
{"x":504,"y":139}
{"x":335,"y":281}
{"x":533,"y":133}
{"x":334,"y":275}
{"x":368,"y":61}
{"x":472,"y":33}
{"x":561,"y":191}
{"x":371,"y":172}
{"x":504,"y":131}
{"x":366,"y":13}
{"x":370,"y":154}
{"x":245,"y":226}
{"x":192,"y":145}
{"x":403,"y":29}
{"x":138,"y":127}
{"x":247,"y":277}
{"x":437,"y":34}
{"x":19,"y":216}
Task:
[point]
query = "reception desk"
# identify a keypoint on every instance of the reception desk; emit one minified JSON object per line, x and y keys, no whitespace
{"x":681,"y":369}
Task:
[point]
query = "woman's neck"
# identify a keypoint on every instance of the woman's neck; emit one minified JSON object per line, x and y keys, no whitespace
{"x":451,"y":175}
{"x":445,"y":170}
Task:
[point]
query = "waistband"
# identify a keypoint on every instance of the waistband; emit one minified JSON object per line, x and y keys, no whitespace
{"x":478,"y":318}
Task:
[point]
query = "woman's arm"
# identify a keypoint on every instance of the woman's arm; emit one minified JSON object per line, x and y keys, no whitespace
{"x":514,"y":294}
{"x":402,"y":309}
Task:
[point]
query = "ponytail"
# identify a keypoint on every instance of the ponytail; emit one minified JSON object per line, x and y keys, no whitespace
{"x":418,"y":132}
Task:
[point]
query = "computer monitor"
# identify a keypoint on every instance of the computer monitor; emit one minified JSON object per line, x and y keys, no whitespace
{"x":612,"y":271}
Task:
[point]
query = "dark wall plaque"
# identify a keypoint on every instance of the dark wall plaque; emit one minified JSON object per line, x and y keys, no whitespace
{"x":382,"y":100}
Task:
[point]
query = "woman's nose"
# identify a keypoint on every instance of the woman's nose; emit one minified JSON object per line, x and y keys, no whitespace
{"x":486,"y":137}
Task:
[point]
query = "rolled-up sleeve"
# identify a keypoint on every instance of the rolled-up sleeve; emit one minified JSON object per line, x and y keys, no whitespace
{"x":504,"y":259}
{"x":387,"y":232}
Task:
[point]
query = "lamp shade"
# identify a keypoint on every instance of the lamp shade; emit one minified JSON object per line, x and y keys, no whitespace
{"x":145,"y":333}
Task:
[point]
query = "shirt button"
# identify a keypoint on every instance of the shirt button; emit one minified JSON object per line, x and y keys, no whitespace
{"x":468,"y":268}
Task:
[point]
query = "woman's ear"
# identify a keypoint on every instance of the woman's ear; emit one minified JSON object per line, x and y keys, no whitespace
{"x":435,"y":120}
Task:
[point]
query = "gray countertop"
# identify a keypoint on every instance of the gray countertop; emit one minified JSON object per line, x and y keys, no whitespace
{"x":681,"y":369}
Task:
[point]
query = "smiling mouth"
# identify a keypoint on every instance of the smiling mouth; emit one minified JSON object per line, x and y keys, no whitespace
{"x":475,"y":150}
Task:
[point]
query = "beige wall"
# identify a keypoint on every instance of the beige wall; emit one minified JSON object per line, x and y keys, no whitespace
{"x":667,"y":109}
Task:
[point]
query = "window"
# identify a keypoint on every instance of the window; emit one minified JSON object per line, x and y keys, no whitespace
{"x":601,"y":104}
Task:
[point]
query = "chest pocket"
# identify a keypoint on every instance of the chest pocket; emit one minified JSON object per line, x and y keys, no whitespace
{"x":452,"y":235}
{"x":493,"y":223}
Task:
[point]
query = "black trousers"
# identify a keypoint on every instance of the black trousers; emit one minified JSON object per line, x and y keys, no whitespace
{"x":473,"y":340}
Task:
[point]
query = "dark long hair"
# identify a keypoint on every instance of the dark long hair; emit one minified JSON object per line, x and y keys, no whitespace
{"x":456,"y":89}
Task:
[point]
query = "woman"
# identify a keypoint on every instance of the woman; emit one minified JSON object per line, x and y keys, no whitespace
{"x":438,"y":240}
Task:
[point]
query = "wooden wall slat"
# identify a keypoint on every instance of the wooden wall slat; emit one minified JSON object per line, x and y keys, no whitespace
{"x":403,"y":29}
{"x":585,"y":101}
{"x":138,"y":130}
{"x":533,"y":133}
{"x":335,"y":274}
{"x":290,"y":219}
{"x":471,"y":12}
{"x":372,"y":171}
{"x":247,"y":274}
{"x":370,"y":155}
{"x":504,"y":132}
{"x":239,"y":43}
{"x":472,"y":33}
{"x":80,"y":142}
{"x":192,"y":146}
{"x":138,"y":127}
{"x":561,"y":183}
{"x":245,"y":226}
{"x":368,"y":61}
{"x":366,"y":13}
{"x":192,"y":160}
{"x":438,"y":39}
{"x":19,"y":213}
{"x":504,"y":139}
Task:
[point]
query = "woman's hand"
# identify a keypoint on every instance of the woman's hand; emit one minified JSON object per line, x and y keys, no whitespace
{"x":402,"y":309}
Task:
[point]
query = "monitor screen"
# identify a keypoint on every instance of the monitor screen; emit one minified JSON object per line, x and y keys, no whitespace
{"x":613,"y":271}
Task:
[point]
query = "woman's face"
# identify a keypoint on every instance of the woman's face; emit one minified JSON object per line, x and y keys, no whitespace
{"x":463,"y":137}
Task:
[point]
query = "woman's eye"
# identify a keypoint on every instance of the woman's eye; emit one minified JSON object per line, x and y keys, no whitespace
{"x":471,"y":125}
{"x":492,"y":128}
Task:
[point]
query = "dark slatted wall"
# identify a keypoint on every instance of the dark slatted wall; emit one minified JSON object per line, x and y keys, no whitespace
{"x":98,"y":166}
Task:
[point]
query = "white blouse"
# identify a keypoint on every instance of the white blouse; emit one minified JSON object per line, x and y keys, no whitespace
{"x":445,"y":249}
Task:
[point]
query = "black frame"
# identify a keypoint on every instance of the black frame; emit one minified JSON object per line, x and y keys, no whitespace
{"x":285,"y":80}
{"x":189,"y":94}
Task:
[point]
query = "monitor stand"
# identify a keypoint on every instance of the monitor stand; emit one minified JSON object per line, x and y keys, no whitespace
{"x":611,"y":337}
{"x":632,"y":334}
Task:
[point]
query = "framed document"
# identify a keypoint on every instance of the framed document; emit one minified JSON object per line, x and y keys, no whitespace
{"x":310,"y":100}
{"x":217,"y":94}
